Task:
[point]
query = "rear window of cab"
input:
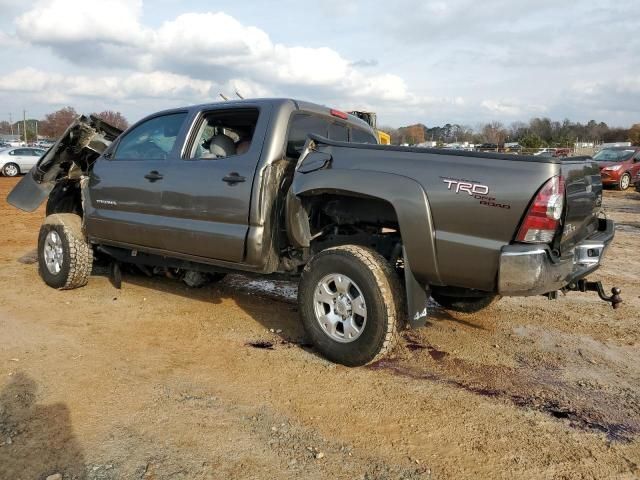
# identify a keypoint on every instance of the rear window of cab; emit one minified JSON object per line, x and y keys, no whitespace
{"x":303,"y":124}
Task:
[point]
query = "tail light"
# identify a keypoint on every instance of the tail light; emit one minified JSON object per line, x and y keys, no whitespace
{"x":543,"y":217}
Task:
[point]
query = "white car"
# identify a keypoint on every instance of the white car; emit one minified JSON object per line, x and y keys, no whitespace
{"x":14,"y":161}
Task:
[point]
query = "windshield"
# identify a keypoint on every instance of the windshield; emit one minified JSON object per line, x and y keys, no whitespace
{"x":611,"y":155}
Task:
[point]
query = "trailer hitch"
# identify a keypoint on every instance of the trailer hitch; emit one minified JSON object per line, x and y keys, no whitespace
{"x":585,"y":286}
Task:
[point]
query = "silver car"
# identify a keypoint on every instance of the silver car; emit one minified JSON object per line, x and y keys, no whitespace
{"x":17,"y":160}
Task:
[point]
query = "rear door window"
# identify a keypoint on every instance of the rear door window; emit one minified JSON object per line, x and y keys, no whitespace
{"x":225,"y":133}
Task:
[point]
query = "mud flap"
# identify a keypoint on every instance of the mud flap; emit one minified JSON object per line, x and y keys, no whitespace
{"x":417,"y":297}
{"x":28,"y":194}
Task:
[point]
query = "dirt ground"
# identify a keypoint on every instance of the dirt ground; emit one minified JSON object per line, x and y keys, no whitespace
{"x":158,"y":381}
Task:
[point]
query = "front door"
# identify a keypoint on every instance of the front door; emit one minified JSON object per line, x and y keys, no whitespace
{"x":207,"y":190}
{"x":125,"y":188}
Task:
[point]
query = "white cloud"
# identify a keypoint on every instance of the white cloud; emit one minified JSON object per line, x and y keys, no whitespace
{"x":433,"y":61}
{"x":138,"y":85}
{"x":204,"y":46}
{"x":511,"y":108}
{"x":67,"y":21}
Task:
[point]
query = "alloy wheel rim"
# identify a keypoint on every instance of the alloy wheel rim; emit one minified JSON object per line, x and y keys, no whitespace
{"x":625,"y":182}
{"x":53,"y":253}
{"x":340,"y":308}
{"x":11,"y":170}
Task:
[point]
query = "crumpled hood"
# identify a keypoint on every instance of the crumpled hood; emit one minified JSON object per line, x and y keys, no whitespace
{"x":78,"y":148}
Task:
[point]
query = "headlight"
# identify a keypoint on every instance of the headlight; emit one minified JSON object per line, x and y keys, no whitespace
{"x":613,"y":168}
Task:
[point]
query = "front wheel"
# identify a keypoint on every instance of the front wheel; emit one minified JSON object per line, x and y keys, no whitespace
{"x":350,"y":303}
{"x":625,"y":181}
{"x":11,"y":170}
{"x":65,"y":258}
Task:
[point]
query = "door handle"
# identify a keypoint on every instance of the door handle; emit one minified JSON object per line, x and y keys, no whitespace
{"x":153,"y":175}
{"x":233,"y":178}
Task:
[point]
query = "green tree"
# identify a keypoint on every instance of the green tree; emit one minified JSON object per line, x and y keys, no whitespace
{"x":532,"y":140}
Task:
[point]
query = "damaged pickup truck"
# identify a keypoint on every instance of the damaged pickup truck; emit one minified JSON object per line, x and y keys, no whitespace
{"x":279,"y":186}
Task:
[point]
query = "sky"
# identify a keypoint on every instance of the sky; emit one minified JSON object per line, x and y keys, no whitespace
{"x":434,"y":62}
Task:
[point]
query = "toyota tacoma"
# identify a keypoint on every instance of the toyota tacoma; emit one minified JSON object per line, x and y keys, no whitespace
{"x":284,"y":187}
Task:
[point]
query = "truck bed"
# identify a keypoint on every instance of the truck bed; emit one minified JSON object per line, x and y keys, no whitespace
{"x":473,"y":201}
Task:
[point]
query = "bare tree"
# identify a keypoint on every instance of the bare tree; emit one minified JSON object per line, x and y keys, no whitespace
{"x":494,"y":132}
{"x":54,"y":124}
{"x":113,"y":118}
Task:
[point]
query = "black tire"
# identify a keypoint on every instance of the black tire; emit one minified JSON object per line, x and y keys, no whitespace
{"x":11,"y":170}
{"x":464,"y":304}
{"x":76,"y":253}
{"x":380,"y":287}
{"x":625,"y":181}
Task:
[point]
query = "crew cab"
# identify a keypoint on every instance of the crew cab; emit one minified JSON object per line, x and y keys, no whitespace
{"x":279,"y":186}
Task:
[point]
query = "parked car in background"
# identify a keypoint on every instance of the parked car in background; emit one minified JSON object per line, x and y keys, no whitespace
{"x":618,"y":165}
{"x":14,"y":161}
{"x":544,"y":151}
{"x":513,"y":147}
{"x":602,"y":146}
{"x":562,"y":152}
{"x":487,"y":147}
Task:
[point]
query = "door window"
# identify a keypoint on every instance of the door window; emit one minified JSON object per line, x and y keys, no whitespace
{"x":151,"y":140}
{"x":225,"y":133}
{"x":21,"y":152}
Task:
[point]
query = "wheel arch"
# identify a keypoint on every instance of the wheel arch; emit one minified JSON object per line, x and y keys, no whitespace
{"x":411,"y":206}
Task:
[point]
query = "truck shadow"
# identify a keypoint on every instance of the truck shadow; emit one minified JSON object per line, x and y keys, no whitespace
{"x":36,"y":440}
{"x":272,"y":303}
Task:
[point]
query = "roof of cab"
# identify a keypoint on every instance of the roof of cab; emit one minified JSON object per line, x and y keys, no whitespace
{"x":298,"y":104}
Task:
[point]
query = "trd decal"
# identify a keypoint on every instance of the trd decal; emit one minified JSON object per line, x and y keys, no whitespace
{"x":468,"y":187}
{"x":476,"y":190}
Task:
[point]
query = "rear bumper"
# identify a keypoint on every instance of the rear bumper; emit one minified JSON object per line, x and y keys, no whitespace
{"x":531,"y":269}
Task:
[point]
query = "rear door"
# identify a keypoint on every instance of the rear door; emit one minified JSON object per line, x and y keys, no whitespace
{"x":206,"y":191}
{"x":126,"y":184}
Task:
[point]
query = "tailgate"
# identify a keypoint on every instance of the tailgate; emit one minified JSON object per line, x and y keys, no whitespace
{"x":584,"y":200}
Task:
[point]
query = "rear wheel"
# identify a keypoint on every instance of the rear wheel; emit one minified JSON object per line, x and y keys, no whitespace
{"x":65,"y":258}
{"x":625,"y":181}
{"x":11,"y":170}
{"x":350,"y":303}
{"x":464,"y":304}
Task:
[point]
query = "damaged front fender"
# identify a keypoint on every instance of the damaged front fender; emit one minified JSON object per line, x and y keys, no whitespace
{"x":75,"y":151}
